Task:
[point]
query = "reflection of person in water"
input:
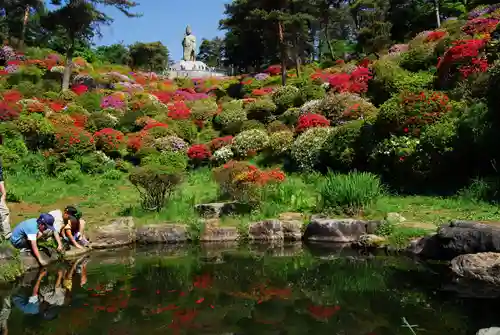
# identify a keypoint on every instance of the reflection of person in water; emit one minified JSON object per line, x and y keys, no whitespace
{"x":39,"y":303}
{"x":4,"y":315}
{"x":79,"y":267}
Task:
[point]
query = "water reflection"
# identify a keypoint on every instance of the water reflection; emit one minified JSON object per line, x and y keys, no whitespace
{"x":240,"y":292}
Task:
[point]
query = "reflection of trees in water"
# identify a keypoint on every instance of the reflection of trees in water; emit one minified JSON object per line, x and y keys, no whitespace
{"x":246,"y":294}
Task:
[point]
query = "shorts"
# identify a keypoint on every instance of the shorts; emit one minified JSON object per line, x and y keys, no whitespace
{"x":22,"y":243}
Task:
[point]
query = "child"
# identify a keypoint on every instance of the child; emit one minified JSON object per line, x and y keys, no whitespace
{"x":25,"y":234}
{"x":71,"y":232}
{"x":61,"y":220}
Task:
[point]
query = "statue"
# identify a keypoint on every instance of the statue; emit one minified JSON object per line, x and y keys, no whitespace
{"x":189,"y":46}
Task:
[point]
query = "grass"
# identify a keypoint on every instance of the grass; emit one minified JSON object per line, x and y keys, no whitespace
{"x":103,"y":199}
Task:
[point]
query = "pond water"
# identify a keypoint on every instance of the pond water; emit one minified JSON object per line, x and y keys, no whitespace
{"x":181,"y":290}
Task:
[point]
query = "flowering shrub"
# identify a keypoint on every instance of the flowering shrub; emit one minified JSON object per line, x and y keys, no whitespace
{"x":199,"y":153}
{"x":249,"y":142}
{"x":356,"y":82}
{"x":260,"y":109}
{"x":112,"y":101}
{"x":409,"y":112}
{"x":306,"y":149}
{"x":480,"y":25}
{"x":343,"y":107}
{"x":285,"y":96}
{"x":109,"y":140}
{"x":171,"y":143}
{"x":276,"y":126}
{"x":231,"y":112}
{"x":223,"y":155}
{"x":79,"y":89}
{"x":311,"y":120}
{"x":32,"y":106}
{"x":259,"y":92}
{"x":434,"y":36}
{"x":179,"y":111}
{"x":464,"y":55}
{"x":273,"y":70}
{"x":203,"y":109}
{"x":220,"y":142}
{"x":74,"y":141}
{"x":396,"y":49}
{"x":243,"y":182}
{"x":139,"y":141}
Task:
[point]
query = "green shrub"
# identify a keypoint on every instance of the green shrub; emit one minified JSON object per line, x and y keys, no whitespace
{"x":174,"y":161}
{"x":68,"y":96}
{"x":260,"y":109}
{"x":306,"y":149}
{"x":252,"y":124}
{"x":185,"y":129}
{"x":99,"y":121}
{"x":112,"y":175}
{"x":310,"y":92}
{"x":171,"y":144}
{"x":94,"y":162}
{"x":291,"y":116}
{"x":349,"y":193}
{"x":249,"y":142}
{"x":280,"y":142}
{"x":342,"y":146}
{"x":37,"y":130}
{"x":91,"y":101}
{"x":203,"y":109}
{"x":231,"y":112}
{"x":26,"y":73}
{"x":34,"y":164}
{"x":276,"y":126}
{"x":207,"y":134}
{"x":12,"y":151}
{"x":123,"y":166}
{"x":286,"y":97}
{"x":155,"y":184}
{"x":29,"y":90}
{"x":418,"y":58}
{"x":71,"y":176}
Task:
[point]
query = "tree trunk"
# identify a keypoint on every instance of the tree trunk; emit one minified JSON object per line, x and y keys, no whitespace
{"x":438,"y":19}
{"x":68,"y":68}
{"x":282,"y":53}
{"x":25,"y":23}
{"x":330,"y":46}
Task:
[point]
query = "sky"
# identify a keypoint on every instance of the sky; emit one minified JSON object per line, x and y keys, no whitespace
{"x":165,"y":21}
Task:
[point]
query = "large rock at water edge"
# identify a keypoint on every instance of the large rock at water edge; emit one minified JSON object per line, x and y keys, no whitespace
{"x":118,"y":233}
{"x":489,"y":331}
{"x":162,"y":233}
{"x":484,"y":267}
{"x":458,"y":238}
{"x":324,"y":229}
{"x":212,"y":232}
{"x":275,"y":230}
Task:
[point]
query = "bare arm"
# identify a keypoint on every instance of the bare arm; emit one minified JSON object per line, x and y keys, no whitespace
{"x":69,"y":234}
{"x":34,"y":248}
{"x":38,"y":282}
{"x":3,"y":190}
{"x":58,"y":240}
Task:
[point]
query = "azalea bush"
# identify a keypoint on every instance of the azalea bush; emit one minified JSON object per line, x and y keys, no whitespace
{"x":74,"y":141}
{"x":109,"y":140}
{"x":249,"y":142}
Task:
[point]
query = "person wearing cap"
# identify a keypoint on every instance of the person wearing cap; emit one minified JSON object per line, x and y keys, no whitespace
{"x":25,"y":234}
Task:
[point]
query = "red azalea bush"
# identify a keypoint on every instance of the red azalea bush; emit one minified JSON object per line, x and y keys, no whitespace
{"x":179,"y":111}
{"x":80,"y":120}
{"x":199,"y":153}
{"x":465,"y":56}
{"x":259,"y":92}
{"x":109,"y":140}
{"x":74,"y":141}
{"x":356,"y":82}
{"x":153,"y":123}
{"x":242,"y":181}
{"x":273,"y":70}
{"x":416,"y":110}
{"x":220,"y":142}
{"x":435,"y":35}
{"x":9,"y":107}
{"x":138,"y":141}
{"x":311,"y":120}
{"x":79,"y":89}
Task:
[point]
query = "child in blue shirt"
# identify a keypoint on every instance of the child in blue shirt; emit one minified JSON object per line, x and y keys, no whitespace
{"x":25,"y":234}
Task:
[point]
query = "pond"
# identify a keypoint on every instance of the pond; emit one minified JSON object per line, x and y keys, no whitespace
{"x":195,"y":290}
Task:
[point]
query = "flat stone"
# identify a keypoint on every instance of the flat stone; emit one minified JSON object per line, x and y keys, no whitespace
{"x":324,"y":229}
{"x":291,"y":216}
{"x":119,"y":232}
{"x":275,"y":230}
{"x":395,"y":218}
{"x":162,"y":233}
{"x":75,"y":252}
{"x":370,"y":241}
{"x":484,"y":267}
{"x":28,"y":261}
{"x":219,"y":234}
{"x":219,"y":209}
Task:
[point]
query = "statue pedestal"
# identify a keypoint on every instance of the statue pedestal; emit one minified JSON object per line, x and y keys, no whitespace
{"x":192,"y":69}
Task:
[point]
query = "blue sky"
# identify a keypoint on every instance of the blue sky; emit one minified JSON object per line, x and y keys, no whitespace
{"x":165,"y":21}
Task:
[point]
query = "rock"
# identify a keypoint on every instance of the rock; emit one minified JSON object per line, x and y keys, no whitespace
{"x":118,"y":233}
{"x":325,"y":229}
{"x":484,"y":267}
{"x":291,"y":216}
{"x":275,"y":230}
{"x":162,"y":233}
{"x":369,"y":241}
{"x":489,"y":331}
{"x":7,"y":252}
{"x":219,"y":234}
{"x":28,"y":261}
{"x":395,"y":218}
{"x":218,"y":209}
{"x":75,"y":252}
{"x":458,"y":238}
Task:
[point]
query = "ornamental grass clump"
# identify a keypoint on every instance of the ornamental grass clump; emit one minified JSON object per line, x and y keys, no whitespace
{"x":350,"y":193}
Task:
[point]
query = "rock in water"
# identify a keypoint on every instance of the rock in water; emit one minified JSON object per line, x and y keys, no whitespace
{"x":483,"y":267}
{"x":323,"y":229}
{"x":162,"y":233}
{"x":275,"y":230}
{"x":119,"y":232}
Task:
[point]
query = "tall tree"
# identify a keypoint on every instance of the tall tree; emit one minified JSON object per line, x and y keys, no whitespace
{"x":81,"y":20}
{"x":149,"y":56}
{"x":114,"y":53}
{"x":211,"y":51}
